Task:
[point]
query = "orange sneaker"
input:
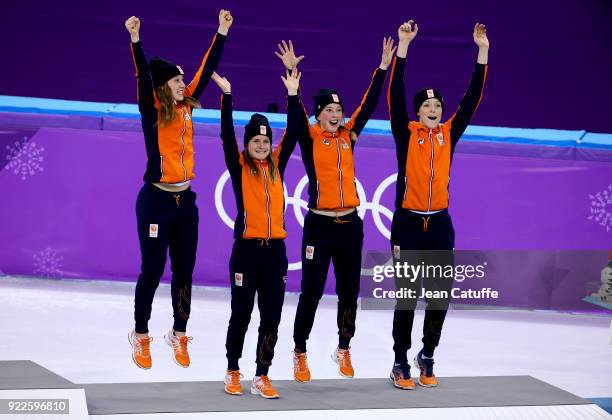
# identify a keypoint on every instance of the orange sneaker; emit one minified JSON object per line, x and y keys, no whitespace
{"x":400,"y":376}
{"x":343,"y":358}
{"x":301,"y":373}
{"x":427,"y":377}
{"x":179,"y":348}
{"x":232,"y":382}
{"x":141,"y":354}
{"x":262,"y":386}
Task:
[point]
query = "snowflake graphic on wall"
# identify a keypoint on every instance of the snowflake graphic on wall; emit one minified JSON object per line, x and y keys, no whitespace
{"x":601,"y":208}
{"x":48,"y":263}
{"x":25,"y":158}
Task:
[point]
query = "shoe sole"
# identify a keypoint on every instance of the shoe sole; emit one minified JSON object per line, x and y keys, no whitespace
{"x":256,"y":392}
{"x":133,"y":358}
{"x":169,"y":342}
{"x":301,"y":382}
{"x":416,"y":363}
{"x":233,"y":393}
{"x":399,"y":386}
{"x":334,"y":358}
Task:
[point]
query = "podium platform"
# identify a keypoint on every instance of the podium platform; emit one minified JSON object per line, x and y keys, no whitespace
{"x":483,"y":397}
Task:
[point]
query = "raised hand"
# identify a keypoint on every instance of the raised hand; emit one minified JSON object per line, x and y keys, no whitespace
{"x":292,"y":81}
{"x":287,"y":55}
{"x":407,"y":31}
{"x":225,"y":21}
{"x":222,"y":82}
{"x":387,"y":54}
{"x":480,"y":36}
{"x":133,"y":27}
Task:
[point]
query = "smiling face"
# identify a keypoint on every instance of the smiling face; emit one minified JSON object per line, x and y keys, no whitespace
{"x":430,"y":113}
{"x":331,"y":117}
{"x":177,"y":87}
{"x":259,"y":147}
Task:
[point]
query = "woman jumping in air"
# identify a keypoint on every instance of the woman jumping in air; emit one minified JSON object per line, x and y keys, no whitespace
{"x":333,"y":231}
{"x":166,"y":209}
{"x":259,"y":261}
{"x":421,"y":220}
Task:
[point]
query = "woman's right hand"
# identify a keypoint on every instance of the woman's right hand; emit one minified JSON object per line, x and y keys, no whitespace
{"x":222,"y":82}
{"x":292,"y":81}
{"x":407,"y":31}
{"x":287,"y":55}
{"x":133,"y":27}
{"x":225,"y":21}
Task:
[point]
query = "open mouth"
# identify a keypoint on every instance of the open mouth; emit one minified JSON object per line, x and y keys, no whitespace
{"x":334,"y":123}
{"x":432,"y":118}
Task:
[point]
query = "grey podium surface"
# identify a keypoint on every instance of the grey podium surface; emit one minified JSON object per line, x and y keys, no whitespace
{"x":25,"y":374}
{"x":331,"y":394}
{"x":328,"y":394}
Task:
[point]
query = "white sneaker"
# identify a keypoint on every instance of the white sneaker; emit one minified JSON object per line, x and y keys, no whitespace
{"x":262,"y":386}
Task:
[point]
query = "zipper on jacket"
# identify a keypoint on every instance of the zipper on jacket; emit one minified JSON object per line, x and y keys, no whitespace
{"x":161,"y":167}
{"x":431,"y":164}
{"x":339,"y":170}
{"x":183,"y":142}
{"x":267,"y":199}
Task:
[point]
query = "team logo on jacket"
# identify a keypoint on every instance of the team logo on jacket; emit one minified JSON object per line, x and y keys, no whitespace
{"x":344,"y":144}
{"x":326,"y":142}
{"x":238,"y":279}
{"x":421,"y":141}
{"x":440,"y":139}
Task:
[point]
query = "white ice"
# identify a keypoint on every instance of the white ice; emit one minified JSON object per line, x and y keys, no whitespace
{"x":78,"y":329}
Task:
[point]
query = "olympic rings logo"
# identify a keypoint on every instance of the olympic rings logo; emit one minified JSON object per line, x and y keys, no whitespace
{"x":300,"y":206}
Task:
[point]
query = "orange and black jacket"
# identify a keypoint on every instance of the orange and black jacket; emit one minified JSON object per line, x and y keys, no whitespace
{"x":424,"y":155}
{"x":259,"y":200}
{"x":170,"y":148}
{"x":328,"y":157}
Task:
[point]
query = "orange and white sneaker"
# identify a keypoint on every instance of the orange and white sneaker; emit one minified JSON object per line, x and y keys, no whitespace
{"x":141,"y":353}
{"x":400,"y":376}
{"x":262,"y":386}
{"x":180,"y":355}
{"x":301,"y":373}
{"x":427,"y":377}
{"x":343,"y":358}
{"x":232,"y":382}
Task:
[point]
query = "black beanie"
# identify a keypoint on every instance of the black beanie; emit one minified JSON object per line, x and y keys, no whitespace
{"x":325,"y":97}
{"x":163,"y":70}
{"x":423,"y":95}
{"x":258,"y":124}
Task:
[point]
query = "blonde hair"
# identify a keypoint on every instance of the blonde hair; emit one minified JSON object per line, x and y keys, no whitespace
{"x":167,"y":109}
{"x":251,"y":163}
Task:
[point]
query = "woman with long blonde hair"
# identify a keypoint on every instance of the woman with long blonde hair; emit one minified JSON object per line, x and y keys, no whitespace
{"x":166,"y":209}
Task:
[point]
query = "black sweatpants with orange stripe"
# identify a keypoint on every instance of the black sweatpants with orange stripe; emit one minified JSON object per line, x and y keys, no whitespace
{"x":258,"y":266}
{"x":415,"y":232}
{"x":165,"y":221}
{"x":328,"y":239}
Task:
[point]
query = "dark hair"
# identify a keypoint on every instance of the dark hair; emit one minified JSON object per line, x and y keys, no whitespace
{"x":167,"y":111}
{"x":251,"y":163}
